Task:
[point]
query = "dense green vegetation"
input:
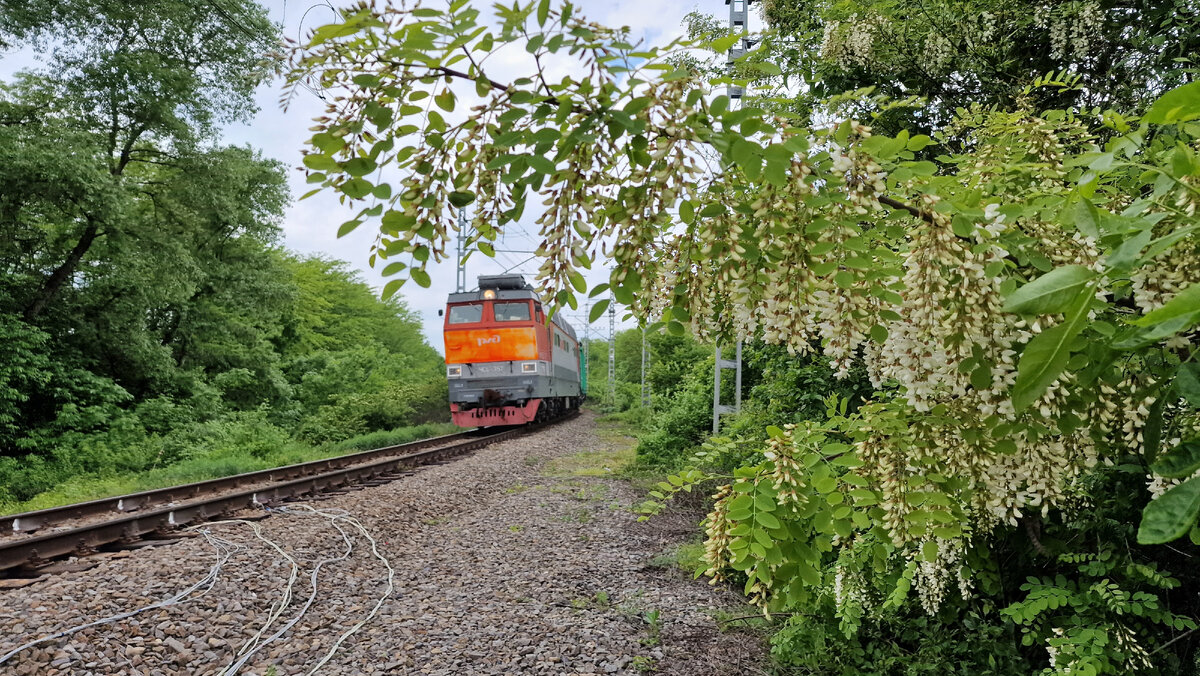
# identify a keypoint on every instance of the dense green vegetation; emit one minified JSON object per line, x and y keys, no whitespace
{"x":153,"y":329}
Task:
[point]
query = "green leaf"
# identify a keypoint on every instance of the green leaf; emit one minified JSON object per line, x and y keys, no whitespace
{"x":1187,"y":383}
{"x":598,"y":310}
{"x":541,"y":164}
{"x":320,"y":163}
{"x":1179,"y":462}
{"x":981,"y":378}
{"x":357,"y":188}
{"x":461,"y":198}
{"x":767,"y":519}
{"x":421,"y":277}
{"x":328,"y":143}
{"x":1184,"y":303}
{"x":687,"y":212}
{"x":543,"y":12}
{"x":1045,"y":357}
{"x":1181,"y":313}
{"x":723,"y":44}
{"x":764,"y":503}
{"x":747,"y":155}
{"x":1128,"y":251}
{"x":445,"y":100}
{"x":348,"y":227}
{"x":1171,"y":514}
{"x":359,"y":166}
{"x":919,"y":142}
{"x":767,"y":67}
{"x":807,"y":573}
{"x":719,"y":105}
{"x":1152,"y":430}
{"x":929,"y":551}
{"x":1181,"y":104}
{"x":577,"y":281}
{"x":826,"y":484}
{"x":391,"y":288}
{"x":1051,"y":293}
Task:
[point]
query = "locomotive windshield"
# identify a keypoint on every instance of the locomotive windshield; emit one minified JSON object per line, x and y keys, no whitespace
{"x":465,"y":314}
{"x":511,"y":312}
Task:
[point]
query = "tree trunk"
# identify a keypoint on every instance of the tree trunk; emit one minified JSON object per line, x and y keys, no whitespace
{"x":62,"y":273}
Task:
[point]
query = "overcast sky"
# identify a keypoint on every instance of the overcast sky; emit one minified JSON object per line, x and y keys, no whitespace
{"x":311,"y":226}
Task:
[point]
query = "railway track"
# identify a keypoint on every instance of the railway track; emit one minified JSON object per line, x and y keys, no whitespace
{"x":25,"y":547}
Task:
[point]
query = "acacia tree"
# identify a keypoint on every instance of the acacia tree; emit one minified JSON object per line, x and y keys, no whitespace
{"x":1124,"y":52}
{"x":1026,"y":309}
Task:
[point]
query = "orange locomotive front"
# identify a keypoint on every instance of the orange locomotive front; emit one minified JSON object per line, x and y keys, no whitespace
{"x":506,"y":365}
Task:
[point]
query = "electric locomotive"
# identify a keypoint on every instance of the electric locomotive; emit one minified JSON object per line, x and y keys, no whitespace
{"x":506,"y":365}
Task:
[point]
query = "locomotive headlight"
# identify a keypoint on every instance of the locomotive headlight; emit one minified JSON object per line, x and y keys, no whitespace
{"x":454,"y":371}
{"x":529,"y":367}
{"x":489,"y":294}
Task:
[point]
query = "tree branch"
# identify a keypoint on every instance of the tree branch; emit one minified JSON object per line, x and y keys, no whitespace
{"x":549,"y":98}
{"x":901,"y":206}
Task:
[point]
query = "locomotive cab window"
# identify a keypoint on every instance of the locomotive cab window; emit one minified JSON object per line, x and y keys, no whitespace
{"x":511,"y":312}
{"x":465,"y":314}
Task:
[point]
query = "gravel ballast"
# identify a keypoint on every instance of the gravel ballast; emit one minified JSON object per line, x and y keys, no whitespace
{"x":503,"y":562}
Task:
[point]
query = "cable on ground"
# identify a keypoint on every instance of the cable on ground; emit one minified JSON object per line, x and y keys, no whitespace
{"x":224,"y":549}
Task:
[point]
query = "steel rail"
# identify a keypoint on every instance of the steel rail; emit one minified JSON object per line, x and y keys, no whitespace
{"x":37,"y":549}
{"x":122,"y":504}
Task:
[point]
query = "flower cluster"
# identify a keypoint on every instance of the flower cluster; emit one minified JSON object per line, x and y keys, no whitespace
{"x":1073,"y":27}
{"x":934,"y":574}
{"x":787,"y":473}
{"x":716,"y":536}
{"x":851,"y":42}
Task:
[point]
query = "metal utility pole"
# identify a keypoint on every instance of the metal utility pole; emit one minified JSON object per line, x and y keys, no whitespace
{"x":587,"y":341}
{"x":612,"y":349}
{"x":739,"y":13}
{"x":645,"y":361}
{"x":718,"y":407}
{"x":461,"y":281}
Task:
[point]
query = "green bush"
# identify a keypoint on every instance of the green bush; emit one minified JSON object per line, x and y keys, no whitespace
{"x":904,"y":644}
{"x":394,"y":437}
{"x":234,"y":444}
{"x":680,"y":422}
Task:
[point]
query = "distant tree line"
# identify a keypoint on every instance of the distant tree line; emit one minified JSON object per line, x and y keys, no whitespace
{"x":146,"y":303}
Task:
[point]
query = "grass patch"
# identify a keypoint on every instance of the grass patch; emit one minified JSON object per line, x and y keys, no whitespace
{"x":223,"y":463}
{"x":685,"y":556}
{"x":747,"y":617}
{"x":616,"y":453}
{"x":580,"y":515}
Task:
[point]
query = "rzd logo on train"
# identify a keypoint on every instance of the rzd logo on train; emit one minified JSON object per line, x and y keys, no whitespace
{"x":487,"y":341}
